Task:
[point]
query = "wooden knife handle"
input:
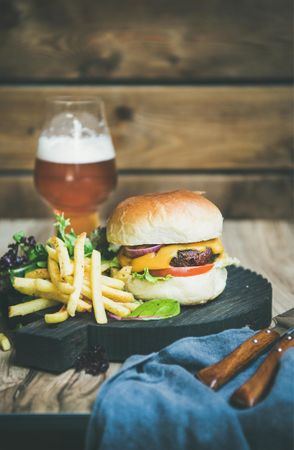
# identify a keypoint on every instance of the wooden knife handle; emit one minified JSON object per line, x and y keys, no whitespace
{"x":257,"y":386}
{"x":218,"y":374}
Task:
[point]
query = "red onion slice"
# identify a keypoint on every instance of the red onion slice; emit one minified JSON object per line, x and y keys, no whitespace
{"x":133,"y":252}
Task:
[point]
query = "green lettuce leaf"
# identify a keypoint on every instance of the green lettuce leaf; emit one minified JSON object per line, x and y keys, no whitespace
{"x":61,"y":224}
{"x":99,"y":241}
{"x":18,"y":236}
{"x":146,"y":275}
{"x":38,"y":252}
{"x":225,"y":261}
{"x":110,"y":263}
{"x":88,"y":249}
{"x":157,"y":309}
{"x":70,"y":238}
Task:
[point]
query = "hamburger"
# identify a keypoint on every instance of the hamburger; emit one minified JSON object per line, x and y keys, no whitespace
{"x":171,"y":244}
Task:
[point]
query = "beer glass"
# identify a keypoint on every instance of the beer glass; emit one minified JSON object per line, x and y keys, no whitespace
{"x":75,"y":162}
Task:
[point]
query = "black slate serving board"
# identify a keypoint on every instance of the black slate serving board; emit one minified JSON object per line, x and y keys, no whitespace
{"x":247,"y":300}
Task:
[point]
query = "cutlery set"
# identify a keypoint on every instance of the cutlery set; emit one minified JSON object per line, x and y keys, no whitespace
{"x":280,"y":336}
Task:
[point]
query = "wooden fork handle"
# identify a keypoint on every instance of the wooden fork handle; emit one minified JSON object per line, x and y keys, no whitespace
{"x":220,"y":373}
{"x":258,"y":385}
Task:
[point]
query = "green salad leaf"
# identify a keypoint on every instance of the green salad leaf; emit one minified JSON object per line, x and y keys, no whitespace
{"x":61,"y":224}
{"x":69,"y":238}
{"x":88,"y":249}
{"x":110,"y":263}
{"x":25,"y":254}
{"x":99,"y":241}
{"x":22,"y":256}
{"x":146,"y":275}
{"x":96,"y":240}
{"x":38,"y":252}
{"x":157,"y":309}
{"x":17,"y":237}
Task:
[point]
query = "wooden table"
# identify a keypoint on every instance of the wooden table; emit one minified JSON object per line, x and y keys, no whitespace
{"x":263,"y":246}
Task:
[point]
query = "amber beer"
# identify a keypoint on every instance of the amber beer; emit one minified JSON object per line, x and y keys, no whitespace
{"x":75,"y":162}
{"x":75,"y":166}
{"x":76,"y":189}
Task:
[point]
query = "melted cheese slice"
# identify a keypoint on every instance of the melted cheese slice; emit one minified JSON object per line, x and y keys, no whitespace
{"x":162,"y":259}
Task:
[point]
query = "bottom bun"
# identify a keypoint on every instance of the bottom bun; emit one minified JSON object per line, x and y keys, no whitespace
{"x":186,"y":290}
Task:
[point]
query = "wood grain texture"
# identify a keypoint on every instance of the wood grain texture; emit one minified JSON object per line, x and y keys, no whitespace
{"x":258,"y":245}
{"x":166,"y":127}
{"x":25,"y":390}
{"x":238,"y":196}
{"x":76,"y":392}
{"x":78,"y":40}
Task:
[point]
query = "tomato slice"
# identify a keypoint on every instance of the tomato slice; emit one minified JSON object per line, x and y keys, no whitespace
{"x":182,"y":271}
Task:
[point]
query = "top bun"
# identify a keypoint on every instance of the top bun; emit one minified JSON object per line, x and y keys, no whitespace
{"x":164,"y":218}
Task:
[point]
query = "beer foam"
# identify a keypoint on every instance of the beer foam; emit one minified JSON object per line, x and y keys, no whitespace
{"x":81,"y":146}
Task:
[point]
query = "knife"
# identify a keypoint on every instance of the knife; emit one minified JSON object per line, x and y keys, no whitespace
{"x":259,"y":383}
{"x":220,"y":373}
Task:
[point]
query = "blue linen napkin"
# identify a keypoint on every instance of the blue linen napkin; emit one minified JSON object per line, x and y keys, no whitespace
{"x":155,"y":402}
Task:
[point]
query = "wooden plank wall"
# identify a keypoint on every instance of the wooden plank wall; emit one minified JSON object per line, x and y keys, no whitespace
{"x":198,"y":95}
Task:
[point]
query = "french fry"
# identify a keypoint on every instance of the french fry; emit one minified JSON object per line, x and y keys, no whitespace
{"x":57,"y":317}
{"x":106,"y":281}
{"x":38,"y":273}
{"x":26,"y":286}
{"x":53,"y":271}
{"x":66,"y":281}
{"x":114,"y":294}
{"x":87,"y":300}
{"x":47,"y":290}
{"x":87,"y":281}
{"x":87,"y":291}
{"x":124,"y":273}
{"x":131,"y":306}
{"x":82,"y":306}
{"x":104,"y":267}
{"x":52,"y":253}
{"x":30,"y":286}
{"x":53,"y":293}
{"x":118,"y":308}
{"x":66,"y":288}
{"x":63,"y":256}
{"x":44,"y":285}
{"x":97,"y":300}
{"x":78,"y":274}
{"x":33,"y":287}
{"x":55,"y":276}
{"x":32,"y":306}
{"x":4,"y":342}
{"x":112,"y":282}
{"x":115,"y":307}
{"x":114,"y":271}
{"x":117,"y":295}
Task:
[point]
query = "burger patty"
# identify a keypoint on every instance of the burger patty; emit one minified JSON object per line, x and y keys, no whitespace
{"x":187,"y":258}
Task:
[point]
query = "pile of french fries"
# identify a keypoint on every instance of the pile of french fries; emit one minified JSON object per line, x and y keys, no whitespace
{"x":78,"y":284}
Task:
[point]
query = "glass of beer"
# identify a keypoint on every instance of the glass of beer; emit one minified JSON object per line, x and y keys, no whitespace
{"x":75,"y":164}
